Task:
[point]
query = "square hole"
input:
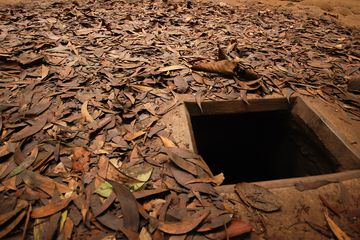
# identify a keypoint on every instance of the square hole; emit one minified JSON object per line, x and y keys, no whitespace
{"x":258,"y":142}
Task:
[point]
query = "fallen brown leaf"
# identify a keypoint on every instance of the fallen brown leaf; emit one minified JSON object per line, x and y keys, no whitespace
{"x":234,"y":229}
{"x":340,"y":234}
{"x":51,"y":208}
{"x":80,"y":159}
{"x":30,"y":130}
{"x":128,"y":206}
{"x":185,"y":225}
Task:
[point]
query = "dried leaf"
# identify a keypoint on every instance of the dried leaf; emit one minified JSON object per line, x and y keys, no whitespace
{"x":198,"y":78}
{"x":148,"y":192}
{"x":21,"y":204}
{"x":63,"y":218}
{"x":216,"y":221}
{"x":26,"y":163}
{"x":181,"y":84}
{"x":319,"y":64}
{"x":44,"y":71}
{"x":30,"y":130}
{"x":132,"y":136}
{"x":303,"y":186}
{"x":182,"y":163}
{"x":117,"y":224}
{"x":7,"y":229}
{"x":223,"y":67}
{"x":143,"y":177}
{"x":104,"y":190}
{"x":39,"y":229}
{"x":234,"y":229}
{"x":85,"y":113}
{"x":258,"y":197}
{"x":185,"y":225}
{"x":144,"y":234}
{"x":167,"y":142}
{"x":48,"y":185}
{"x":51,"y":208}
{"x":39,"y":107}
{"x":80,"y":159}
{"x":6,"y":149}
{"x":183,"y":177}
{"x":172,"y":68}
{"x":217,"y":180}
{"x":128,"y":206}
{"x":199,"y":99}
{"x":340,"y":234}
{"x":67,"y":229}
{"x":103,"y":166}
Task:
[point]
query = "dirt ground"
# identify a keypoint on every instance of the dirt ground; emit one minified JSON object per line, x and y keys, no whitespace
{"x":345,"y":11}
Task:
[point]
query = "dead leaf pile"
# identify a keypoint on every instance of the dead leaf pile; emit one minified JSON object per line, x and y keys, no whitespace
{"x":84,"y":85}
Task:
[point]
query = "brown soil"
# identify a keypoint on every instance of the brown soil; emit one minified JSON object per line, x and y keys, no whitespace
{"x":346,"y":12}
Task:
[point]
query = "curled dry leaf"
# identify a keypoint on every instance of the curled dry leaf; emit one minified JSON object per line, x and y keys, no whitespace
{"x":228,"y":68}
{"x":85,"y":113}
{"x":223,"y":67}
{"x":185,"y":225}
{"x":199,"y":97}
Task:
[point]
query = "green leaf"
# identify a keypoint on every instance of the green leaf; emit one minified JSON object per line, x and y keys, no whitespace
{"x":104,"y":189}
{"x":63,"y":217}
{"x":143,"y":178}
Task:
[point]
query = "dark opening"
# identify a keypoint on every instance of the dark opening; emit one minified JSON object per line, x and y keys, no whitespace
{"x":259,"y":146}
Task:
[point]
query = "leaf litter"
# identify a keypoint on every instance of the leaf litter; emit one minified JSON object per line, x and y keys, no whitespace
{"x":84,"y":85}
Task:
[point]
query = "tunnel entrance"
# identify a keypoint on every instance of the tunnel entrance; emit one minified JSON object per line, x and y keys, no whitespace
{"x":266,"y":144}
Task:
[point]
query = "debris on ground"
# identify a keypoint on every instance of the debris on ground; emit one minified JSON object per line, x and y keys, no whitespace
{"x":83,"y":87}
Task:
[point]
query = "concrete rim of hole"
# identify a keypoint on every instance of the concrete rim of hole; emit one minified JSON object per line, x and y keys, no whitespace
{"x":334,"y":141}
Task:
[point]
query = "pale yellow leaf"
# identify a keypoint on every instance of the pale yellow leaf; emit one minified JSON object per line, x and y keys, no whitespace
{"x":85,"y":113}
{"x":340,"y":234}
{"x":167,"y":142}
{"x":172,"y":68}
